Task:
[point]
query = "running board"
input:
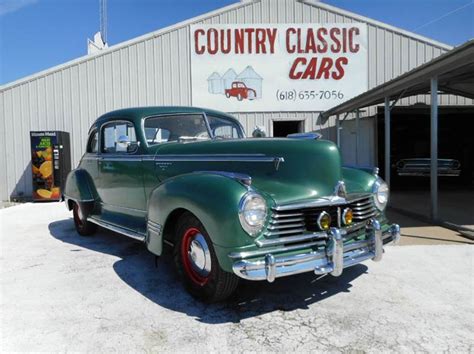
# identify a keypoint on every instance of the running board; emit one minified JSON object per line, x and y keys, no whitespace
{"x":120,"y":230}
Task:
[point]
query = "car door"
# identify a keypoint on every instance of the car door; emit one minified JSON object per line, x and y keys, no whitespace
{"x":121,"y":187}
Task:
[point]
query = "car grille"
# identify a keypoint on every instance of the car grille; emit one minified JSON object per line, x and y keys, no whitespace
{"x":286,"y":223}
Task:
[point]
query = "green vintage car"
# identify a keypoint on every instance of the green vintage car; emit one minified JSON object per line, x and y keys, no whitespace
{"x":186,"y":180}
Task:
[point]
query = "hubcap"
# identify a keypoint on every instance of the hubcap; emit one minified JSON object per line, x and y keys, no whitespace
{"x":199,"y":255}
{"x":196,"y":256}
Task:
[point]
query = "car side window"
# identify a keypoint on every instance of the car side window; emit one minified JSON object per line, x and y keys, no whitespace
{"x":93,"y":143}
{"x":119,"y":137}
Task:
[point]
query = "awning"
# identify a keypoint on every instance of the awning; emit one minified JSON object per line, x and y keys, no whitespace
{"x":454,"y":70}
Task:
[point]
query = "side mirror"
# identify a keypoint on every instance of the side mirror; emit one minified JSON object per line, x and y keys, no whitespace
{"x":259,"y":132}
{"x":125,"y":145}
{"x":123,"y":140}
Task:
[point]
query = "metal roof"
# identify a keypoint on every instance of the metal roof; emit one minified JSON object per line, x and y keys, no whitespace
{"x":240,"y":4}
{"x":454,"y":70}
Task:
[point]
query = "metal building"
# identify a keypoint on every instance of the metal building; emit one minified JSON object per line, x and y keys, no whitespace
{"x":155,"y":69}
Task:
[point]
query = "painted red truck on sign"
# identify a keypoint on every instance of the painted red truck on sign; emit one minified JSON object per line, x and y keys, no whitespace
{"x":241,"y":91}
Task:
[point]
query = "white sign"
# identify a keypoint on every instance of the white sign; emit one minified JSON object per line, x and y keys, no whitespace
{"x":277,"y":67}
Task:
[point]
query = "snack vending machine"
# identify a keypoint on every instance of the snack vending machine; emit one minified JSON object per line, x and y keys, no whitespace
{"x":51,"y":162}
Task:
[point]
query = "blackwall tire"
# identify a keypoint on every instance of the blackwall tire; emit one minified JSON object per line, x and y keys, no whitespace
{"x":227,"y":95}
{"x":239,"y":97}
{"x":209,"y":283}
{"x":83,"y":227}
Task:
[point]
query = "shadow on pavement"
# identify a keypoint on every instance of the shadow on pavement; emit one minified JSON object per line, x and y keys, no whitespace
{"x":161,"y":284}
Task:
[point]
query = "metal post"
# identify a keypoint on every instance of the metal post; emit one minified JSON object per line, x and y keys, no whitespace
{"x":434,"y":148}
{"x":357,"y":136}
{"x":387,"y":140}
{"x":338,"y":131}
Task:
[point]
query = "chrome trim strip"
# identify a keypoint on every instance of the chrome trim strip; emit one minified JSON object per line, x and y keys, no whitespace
{"x":281,"y":221}
{"x":322,"y":202}
{"x":240,"y":177}
{"x":120,"y":159}
{"x":284,"y":226}
{"x":249,"y":254}
{"x":117,"y":229}
{"x":284,"y":232}
{"x":291,"y":239}
{"x":217,"y":158}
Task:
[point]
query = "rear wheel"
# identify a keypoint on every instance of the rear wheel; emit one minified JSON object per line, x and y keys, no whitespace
{"x":83,"y":227}
{"x":227,"y":94}
{"x":239,"y":97}
{"x":196,"y":261}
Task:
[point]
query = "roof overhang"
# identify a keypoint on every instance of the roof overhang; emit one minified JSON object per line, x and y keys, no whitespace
{"x":454,"y":71}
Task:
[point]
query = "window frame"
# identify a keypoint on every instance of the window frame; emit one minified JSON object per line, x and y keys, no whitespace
{"x":102,"y":136}
{"x":91,"y":133}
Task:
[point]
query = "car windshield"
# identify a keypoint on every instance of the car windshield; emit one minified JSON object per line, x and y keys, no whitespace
{"x":179,"y":127}
{"x":189,"y":127}
{"x":222,"y":128}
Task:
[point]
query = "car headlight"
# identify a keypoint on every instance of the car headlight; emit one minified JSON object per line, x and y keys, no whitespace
{"x":252,"y":213}
{"x":381,"y":194}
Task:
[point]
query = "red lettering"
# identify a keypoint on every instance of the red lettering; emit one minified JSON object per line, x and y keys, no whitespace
{"x":323,"y":46}
{"x":310,"y":71}
{"x":199,"y":49}
{"x":239,"y":41}
{"x":290,"y":48}
{"x":294,"y":75}
{"x":272,"y":33}
{"x":212,"y":40}
{"x":354,"y":48}
{"x":225,"y":48}
{"x":336,"y":45}
{"x":298,"y":41}
{"x":324,"y":66}
{"x":260,"y":41}
{"x":344,"y":40}
{"x":339,"y":73}
{"x":249,"y":32}
{"x":310,"y":43}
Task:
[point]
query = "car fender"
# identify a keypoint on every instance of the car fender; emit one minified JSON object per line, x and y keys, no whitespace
{"x":358,"y":180}
{"x":79,"y":187}
{"x":211,"y":196}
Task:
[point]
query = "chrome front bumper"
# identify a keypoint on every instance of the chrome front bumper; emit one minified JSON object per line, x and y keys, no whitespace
{"x":333,"y":259}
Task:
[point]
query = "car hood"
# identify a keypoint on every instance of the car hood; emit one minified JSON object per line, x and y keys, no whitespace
{"x":285,"y":169}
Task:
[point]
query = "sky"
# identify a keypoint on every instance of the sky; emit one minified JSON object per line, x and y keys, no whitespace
{"x":39,"y":34}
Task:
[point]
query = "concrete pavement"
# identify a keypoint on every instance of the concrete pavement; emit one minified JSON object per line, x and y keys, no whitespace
{"x":63,"y":292}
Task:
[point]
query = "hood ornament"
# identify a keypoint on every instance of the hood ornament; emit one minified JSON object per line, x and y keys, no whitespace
{"x":340,"y":190}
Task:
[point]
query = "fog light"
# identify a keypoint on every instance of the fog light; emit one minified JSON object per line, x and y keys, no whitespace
{"x":324,"y":221}
{"x":347,"y":216}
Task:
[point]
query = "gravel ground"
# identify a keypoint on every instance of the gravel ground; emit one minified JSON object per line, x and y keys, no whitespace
{"x":63,"y":292}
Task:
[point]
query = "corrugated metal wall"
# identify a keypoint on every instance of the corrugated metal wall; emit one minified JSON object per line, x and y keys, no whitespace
{"x":155,"y":70}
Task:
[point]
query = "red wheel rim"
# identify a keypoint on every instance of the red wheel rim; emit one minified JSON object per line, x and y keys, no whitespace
{"x":195,"y":277}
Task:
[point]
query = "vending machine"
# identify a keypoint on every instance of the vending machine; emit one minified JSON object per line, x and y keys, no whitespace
{"x":51,"y":162}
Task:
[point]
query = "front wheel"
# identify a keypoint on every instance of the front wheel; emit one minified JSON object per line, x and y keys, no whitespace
{"x":196,"y":261}
{"x":83,"y":227}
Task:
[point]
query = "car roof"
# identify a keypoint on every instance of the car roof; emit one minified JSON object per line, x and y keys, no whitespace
{"x":136,"y":114}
